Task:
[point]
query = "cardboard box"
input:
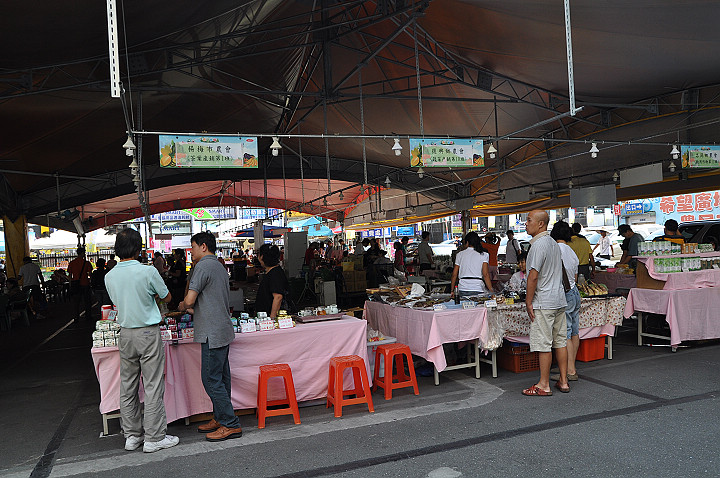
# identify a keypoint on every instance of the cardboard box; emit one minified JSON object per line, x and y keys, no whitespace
{"x":359,"y":276}
{"x":644,"y":281}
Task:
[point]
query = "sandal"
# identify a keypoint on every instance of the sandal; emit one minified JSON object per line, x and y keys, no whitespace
{"x":565,"y":389}
{"x":534,"y":391}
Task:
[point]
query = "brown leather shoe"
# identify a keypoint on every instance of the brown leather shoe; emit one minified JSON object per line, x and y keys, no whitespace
{"x":208,"y":427}
{"x":224,"y":433}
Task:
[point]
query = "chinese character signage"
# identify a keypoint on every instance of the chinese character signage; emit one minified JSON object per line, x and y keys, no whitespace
{"x":700,"y":156}
{"x":633,"y":208}
{"x":683,"y":207}
{"x":443,"y":153}
{"x":178,"y":151}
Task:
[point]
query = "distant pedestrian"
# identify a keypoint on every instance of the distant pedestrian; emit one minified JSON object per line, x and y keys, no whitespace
{"x":80,"y":271}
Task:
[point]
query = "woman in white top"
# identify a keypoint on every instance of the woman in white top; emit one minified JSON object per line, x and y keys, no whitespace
{"x":562,"y":233}
{"x":471,"y":272}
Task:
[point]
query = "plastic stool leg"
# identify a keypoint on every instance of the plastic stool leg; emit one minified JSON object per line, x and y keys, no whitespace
{"x":331,"y":385}
{"x":338,"y":390}
{"x":400,"y":367}
{"x":262,"y":400}
{"x":411,"y":369}
{"x":357,"y":383}
{"x":376,"y":372}
{"x":292,"y":399}
{"x":366,"y":387}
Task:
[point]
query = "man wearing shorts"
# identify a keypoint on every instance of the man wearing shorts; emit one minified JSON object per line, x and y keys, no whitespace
{"x":545,"y":302}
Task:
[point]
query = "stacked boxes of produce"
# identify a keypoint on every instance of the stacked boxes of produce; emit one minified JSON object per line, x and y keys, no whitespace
{"x":355,"y":279}
{"x":178,"y":327}
{"x":105,"y":334}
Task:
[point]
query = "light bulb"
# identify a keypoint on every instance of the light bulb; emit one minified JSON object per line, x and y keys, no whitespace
{"x":570,"y":184}
{"x":616,"y":176}
{"x":672,"y":166}
{"x":675,"y":153}
{"x":491,"y":151}
{"x":341,"y":197}
{"x":594,"y":150}
{"x":421,"y":173}
{"x":387,"y":181}
{"x":275,"y":146}
{"x":396,"y":147}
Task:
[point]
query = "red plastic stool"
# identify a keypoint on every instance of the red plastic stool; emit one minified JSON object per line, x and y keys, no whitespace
{"x":336,"y":394}
{"x":276,"y":370}
{"x":388,"y":352}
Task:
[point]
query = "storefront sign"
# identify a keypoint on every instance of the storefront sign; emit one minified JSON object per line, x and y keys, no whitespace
{"x":177,"y":151}
{"x":443,"y":153}
{"x":683,"y":207}
{"x":703,"y":156}
{"x":171,"y":228}
{"x":633,"y":208}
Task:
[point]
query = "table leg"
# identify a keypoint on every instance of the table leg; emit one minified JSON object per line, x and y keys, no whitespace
{"x":477,"y":359}
{"x":609,"y":346}
{"x":640,"y":321}
{"x":437,"y":375}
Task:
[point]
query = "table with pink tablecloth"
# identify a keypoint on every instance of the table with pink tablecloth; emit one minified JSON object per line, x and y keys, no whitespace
{"x":692,"y":314}
{"x":684,"y":280}
{"x":307,"y":348}
{"x":424,"y":331}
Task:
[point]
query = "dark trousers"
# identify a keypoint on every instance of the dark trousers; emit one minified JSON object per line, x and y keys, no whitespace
{"x":83,"y":297}
{"x":585,"y":271}
{"x":216,"y":380}
{"x":39,"y":304}
{"x":424,"y":267}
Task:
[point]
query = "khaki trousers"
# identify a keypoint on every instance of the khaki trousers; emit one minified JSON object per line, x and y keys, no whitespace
{"x":141,"y":352}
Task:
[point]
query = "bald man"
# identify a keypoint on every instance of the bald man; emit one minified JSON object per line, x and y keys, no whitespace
{"x":545,"y":302}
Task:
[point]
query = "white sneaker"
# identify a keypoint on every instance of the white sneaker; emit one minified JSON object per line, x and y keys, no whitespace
{"x":167,"y":442}
{"x":133,"y":443}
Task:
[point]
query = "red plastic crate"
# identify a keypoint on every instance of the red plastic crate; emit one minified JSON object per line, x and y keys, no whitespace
{"x":517,"y":359}
{"x":591,"y":349}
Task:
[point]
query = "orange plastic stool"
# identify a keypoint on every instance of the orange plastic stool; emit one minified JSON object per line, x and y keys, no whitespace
{"x":276,"y":370}
{"x":388,"y":352}
{"x":336,"y":394}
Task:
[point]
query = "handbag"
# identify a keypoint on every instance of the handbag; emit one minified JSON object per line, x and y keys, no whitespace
{"x":565,"y":280}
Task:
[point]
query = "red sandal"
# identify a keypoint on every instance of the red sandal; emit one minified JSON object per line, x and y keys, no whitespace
{"x":534,"y":391}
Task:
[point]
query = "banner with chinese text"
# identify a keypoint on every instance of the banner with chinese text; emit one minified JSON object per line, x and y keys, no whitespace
{"x":177,"y":151}
{"x":444,"y":153}
{"x":700,"y":156}
{"x":703,"y":206}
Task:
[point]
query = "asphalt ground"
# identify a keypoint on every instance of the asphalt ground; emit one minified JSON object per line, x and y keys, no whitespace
{"x":648,"y":412}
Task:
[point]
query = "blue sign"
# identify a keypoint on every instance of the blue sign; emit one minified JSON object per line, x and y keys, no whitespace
{"x":406,"y":231}
{"x":633,"y":208}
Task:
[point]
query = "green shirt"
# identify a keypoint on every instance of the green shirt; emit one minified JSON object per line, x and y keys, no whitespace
{"x":132,"y":287}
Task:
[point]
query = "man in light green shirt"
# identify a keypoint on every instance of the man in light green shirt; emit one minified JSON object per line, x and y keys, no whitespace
{"x":133,"y":287}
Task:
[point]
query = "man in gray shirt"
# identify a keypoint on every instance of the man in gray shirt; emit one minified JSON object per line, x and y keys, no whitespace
{"x":425,"y":252}
{"x":208,"y":296}
{"x":545,"y":302}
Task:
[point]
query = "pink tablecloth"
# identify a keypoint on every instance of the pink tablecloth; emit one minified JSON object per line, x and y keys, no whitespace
{"x":425,"y":331}
{"x":685,"y":280}
{"x":306,"y":348}
{"x":693,"y":314}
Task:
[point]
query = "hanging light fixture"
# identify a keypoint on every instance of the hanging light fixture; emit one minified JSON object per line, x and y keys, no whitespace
{"x":532,"y":189}
{"x":275,"y":146}
{"x":594,"y":150}
{"x":616,"y":177}
{"x":325,"y":201}
{"x":491,"y":151}
{"x":129,"y":147}
{"x":341,"y":197}
{"x":675,"y":153}
{"x":387,"y":181}
{"x":672,"y":166}
{"x":396,"y":147}
{"x":421,"y":173}
{"x":570,"y":184}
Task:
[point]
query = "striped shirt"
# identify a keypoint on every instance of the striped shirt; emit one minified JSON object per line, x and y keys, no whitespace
{"x":545,"y":257}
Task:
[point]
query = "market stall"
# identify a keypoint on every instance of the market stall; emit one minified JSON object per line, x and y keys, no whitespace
{"x":615,"y":280}
{"x":688,"y":297}
{"x":426,"y":330}
{"x":184,"y":392}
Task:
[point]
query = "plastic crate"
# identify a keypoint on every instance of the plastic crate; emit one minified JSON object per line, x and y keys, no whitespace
{"x":591,"y":349}
{"x":517,"y":358}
